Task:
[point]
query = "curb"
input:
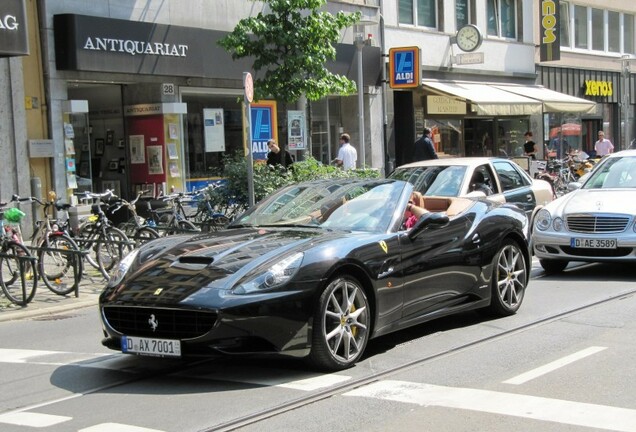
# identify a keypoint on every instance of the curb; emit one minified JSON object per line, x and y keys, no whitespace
{"x":31,"y":312}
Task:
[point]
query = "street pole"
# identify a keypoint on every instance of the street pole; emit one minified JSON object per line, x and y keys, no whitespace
{"x":359,"y":45}
{"x":248,"y":87}
{"x":625,"y":108}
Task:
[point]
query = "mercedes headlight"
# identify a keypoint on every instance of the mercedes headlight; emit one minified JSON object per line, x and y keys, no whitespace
{"x":272,"y":277}
{"x":118,"y":275}
{"x":543,"y":220}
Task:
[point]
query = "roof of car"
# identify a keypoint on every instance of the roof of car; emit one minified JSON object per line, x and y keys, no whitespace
{"x":453,"y":161}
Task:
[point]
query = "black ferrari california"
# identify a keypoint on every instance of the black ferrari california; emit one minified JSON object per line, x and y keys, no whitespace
{"x":315,"y":271}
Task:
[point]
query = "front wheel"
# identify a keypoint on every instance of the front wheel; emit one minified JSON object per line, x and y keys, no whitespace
{"x":18,"y":278}
{"x":60,"y":264}
{"x":341,"y":325}
{"x":509,"y":279}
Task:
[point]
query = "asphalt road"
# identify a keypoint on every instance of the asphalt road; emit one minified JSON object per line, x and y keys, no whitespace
{"x":563,"y":363}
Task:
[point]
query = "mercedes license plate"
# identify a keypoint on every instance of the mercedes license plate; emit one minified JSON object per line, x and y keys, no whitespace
{"x":150,"y":346}
{"x":591,"y":243}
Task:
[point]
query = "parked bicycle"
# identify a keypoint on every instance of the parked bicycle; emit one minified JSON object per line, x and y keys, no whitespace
{"x":18,"y":275}
{"x":60,"y":263}
{"x":174,"y":218}
{"x":98,"y":236}
{"x":137,"y":228}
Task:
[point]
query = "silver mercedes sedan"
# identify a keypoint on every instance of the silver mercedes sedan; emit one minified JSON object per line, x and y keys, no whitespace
{"x":596,"y":222}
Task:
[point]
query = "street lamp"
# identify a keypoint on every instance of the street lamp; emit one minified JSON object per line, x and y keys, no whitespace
{"x":625,"y":69}
{"x":360,"y":40}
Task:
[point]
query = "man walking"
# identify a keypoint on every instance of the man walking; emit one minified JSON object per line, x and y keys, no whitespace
{"x":424,"y":147}
{"x":603,"y":146}
{"x":347,"y":154}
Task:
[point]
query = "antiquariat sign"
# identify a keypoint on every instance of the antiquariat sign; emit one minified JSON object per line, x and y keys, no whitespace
{"x":13,"y":29}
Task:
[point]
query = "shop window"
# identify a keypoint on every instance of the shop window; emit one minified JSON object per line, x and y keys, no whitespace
{"x":628,"y":32}
{"x":613,"y":32}
{"x":564,"y":16}
{"x":597,"y":30}
{"x":502,"y":18}
{"x":422,"y":13}
{"x":580,"y":27}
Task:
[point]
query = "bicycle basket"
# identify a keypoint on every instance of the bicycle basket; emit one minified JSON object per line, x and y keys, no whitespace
{"x":14,"y":215}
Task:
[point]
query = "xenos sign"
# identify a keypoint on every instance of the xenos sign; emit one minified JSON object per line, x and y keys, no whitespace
{"x":598,"y":88}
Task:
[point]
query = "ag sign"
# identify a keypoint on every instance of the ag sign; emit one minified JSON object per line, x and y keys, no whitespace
{"x":404,"y":67}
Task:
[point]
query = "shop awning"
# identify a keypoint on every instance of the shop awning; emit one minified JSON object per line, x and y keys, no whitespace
{"x":497,"y":99}
{"x":485,"y":98}
{"x":553,"y":101}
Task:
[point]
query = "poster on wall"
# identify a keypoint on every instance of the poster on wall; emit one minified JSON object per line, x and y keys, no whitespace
{"x":155,"y":164}
{"x":214,"y":130}
{"x":263,"y":127}
{"x":137,"y":149}
{"x":296,"y":130}
{"x":172,"y":151}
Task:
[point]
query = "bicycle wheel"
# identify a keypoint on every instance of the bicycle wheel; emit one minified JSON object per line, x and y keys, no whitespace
{"x":215,"y":223}
{"x":60,"y":264}
{"x":182,"y":227}
{"x":18,"y":278}
{"x":144,"y":235}
{"x":86,"y":240}
{"x":112,"y":246}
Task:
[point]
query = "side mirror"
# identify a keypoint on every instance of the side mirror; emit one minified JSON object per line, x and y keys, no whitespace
{"x":573,"y":186}
{"x":432,"y":219}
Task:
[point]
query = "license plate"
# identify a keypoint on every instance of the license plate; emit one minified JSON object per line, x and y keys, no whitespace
{"x":589,"y":243}
{"x":150,"y":346}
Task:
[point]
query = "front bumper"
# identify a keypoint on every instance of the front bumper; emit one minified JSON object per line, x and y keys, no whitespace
{"x":557,"y":246}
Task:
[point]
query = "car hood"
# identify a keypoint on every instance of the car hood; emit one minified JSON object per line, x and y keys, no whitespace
{"x":620,"y":201}
{"x":185,"y":269}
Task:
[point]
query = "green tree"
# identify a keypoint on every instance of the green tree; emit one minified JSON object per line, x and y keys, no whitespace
{"x":290,"y":46}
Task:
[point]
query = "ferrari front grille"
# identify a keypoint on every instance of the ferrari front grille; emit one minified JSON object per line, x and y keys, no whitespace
{"x":597,"y":224}
{"x":159,"y":322}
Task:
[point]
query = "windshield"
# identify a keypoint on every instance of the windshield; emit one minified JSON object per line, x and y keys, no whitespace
{"x":615,"y":172}
{"x":433,"y":180}
{"x":354,"y":205}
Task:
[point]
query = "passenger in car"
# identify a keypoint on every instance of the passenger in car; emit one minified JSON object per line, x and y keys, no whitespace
{"x":478,"y":184}
{"x":414,"y":210}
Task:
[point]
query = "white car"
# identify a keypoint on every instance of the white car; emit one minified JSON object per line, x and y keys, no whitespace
{"x":501,"y":180}
{"x":594,"y":223}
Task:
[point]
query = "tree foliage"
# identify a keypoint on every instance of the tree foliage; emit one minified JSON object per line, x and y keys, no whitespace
{"x":290,"y":46}
{"x":267,"y":179}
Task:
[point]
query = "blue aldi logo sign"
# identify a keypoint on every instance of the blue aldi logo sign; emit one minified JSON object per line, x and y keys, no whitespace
{"x":404,"y":67}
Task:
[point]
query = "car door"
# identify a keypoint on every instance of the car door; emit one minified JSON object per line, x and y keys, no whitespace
{"x":515,"y":186}
{"x":439,"y":266}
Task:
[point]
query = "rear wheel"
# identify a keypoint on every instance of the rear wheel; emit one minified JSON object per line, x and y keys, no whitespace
{"x":18,"y":278}
{"x":60,"y":264}
{"x":509,"y":279}
{"x":112,"y":249}
{"x":341,"y":326}
{"x":553,"y":266}
{"x":144,"y":235}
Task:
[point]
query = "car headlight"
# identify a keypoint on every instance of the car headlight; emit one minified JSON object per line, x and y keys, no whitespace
{"x":543,"y":220}
{"x":557,"y":224}
{"x":118,"y":275}
{"x":273,"y":276}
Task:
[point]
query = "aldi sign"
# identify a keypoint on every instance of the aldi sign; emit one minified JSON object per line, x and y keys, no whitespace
{"x":404,"y":67}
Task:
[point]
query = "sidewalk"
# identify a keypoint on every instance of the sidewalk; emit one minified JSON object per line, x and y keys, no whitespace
{"x":46,"y":302}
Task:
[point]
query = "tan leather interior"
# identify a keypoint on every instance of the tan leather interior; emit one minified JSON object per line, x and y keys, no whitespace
{"x":452,"y":206}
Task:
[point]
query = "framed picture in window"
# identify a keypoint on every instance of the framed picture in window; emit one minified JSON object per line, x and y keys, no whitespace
{"x":110,"y":137}
{"x":99,"y":146}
